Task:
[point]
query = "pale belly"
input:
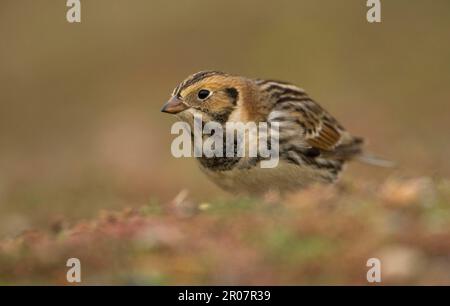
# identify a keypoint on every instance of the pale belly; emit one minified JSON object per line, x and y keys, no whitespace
{"x":284,"y":177}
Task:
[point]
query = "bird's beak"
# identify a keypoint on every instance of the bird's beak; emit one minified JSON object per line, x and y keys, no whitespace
{"x":174,"y":106}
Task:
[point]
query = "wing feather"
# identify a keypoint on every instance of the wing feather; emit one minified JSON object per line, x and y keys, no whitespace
{"x":320,"y":129}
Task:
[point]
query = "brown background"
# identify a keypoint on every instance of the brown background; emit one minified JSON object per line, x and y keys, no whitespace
{"x":80,"y":126}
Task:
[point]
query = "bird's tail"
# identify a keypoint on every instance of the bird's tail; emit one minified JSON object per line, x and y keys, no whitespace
{"x":354,"y":150}
{"x":373,"y":160}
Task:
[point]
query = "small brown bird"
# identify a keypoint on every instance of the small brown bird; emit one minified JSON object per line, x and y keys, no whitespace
{"x":313,"y":146}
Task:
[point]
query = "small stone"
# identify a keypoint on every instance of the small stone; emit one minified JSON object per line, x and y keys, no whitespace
{"x":396,"y":192}
{"x":204,"y":206}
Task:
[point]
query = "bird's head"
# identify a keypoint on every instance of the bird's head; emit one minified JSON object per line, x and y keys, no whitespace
{"x":212,"y":94}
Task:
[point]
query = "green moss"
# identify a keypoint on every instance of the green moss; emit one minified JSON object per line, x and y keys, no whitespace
{"x":287,"y":246}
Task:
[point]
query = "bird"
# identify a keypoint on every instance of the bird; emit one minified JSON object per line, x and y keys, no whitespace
{"x":313,"y":146}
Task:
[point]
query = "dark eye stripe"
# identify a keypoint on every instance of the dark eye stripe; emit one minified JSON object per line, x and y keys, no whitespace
{"x":233,"y":94}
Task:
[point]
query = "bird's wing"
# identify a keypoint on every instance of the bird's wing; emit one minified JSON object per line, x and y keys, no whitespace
{"x":292,"y":107}
{"x":320,"y":129}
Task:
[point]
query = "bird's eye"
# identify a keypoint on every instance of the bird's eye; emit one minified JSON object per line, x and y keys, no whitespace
{"x":203,"y":94}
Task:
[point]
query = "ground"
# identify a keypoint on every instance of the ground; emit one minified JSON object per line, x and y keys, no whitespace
{"x":323,"y":235}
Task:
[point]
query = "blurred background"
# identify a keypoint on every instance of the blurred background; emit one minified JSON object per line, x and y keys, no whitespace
{"x":80,"y":123}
